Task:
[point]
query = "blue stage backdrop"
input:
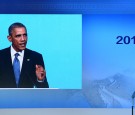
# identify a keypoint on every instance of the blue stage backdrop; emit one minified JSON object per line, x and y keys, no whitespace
{"x":109,"y":59}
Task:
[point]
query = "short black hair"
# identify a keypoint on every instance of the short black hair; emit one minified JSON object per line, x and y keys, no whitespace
{"x":15,"y":25}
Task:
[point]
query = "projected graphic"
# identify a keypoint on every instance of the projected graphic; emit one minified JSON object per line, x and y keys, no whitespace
{"x":109,"y":59}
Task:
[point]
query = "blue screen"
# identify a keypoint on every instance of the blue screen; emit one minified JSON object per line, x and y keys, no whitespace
{"x":88,"y":50}
{"x":58,"y":38}
{"x":108,"y":59}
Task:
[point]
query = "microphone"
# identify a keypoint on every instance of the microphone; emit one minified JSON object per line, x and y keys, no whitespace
{"x":133,"y":95}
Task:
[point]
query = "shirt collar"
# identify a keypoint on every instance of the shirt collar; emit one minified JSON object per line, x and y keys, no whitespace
{"x":13,"y":52}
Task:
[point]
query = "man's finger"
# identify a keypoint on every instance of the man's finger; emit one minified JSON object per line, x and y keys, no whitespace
{"x":38,"y":66}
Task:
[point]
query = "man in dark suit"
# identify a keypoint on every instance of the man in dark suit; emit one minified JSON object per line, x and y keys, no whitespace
{"x":19,"y":66}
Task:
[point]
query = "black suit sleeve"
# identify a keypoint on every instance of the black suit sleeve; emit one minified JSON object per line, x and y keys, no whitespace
{"x":39,"y":61}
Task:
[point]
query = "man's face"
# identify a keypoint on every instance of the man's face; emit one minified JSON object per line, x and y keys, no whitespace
{"x":18,"y":38}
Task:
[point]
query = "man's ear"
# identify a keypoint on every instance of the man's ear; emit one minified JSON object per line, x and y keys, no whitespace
{"x":9,"y":38}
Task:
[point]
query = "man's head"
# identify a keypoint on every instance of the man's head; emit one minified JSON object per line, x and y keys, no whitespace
{"x":18,"y":36}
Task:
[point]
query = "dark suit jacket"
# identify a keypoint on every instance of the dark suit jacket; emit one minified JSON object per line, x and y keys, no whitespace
{"x":28,"y":77}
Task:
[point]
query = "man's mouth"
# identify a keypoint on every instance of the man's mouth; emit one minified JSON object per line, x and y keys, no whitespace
{"x":22,"y":44}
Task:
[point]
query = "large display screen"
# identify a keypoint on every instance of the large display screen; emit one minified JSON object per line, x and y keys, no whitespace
{"x":88,"y":51}
{"x":58,"y":38}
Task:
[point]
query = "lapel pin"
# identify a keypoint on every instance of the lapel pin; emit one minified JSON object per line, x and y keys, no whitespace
{"x":28,"y":59}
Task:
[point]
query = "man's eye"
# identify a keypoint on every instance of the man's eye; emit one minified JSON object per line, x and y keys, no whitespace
{"x":25,"y":35}
{"x":18,"y":36}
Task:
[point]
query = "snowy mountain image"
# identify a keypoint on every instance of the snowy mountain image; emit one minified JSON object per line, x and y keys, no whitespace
{"x":112,"y":92}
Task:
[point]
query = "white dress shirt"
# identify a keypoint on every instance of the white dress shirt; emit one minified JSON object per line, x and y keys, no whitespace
{"x":20,"y":57}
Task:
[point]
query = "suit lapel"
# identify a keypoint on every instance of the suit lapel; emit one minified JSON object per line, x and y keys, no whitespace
{"x":26,"y":60}
{"x":25,"y":66}
{"x":8,"y":59}
{"x":8,"y":64}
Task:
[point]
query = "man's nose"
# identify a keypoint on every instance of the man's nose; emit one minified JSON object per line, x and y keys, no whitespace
{"x":23,"y":37}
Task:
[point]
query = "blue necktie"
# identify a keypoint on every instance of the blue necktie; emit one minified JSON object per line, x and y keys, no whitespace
{"x":16,"y":66}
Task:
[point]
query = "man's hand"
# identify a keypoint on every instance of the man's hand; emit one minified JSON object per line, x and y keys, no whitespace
{"x":40,"y":72}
